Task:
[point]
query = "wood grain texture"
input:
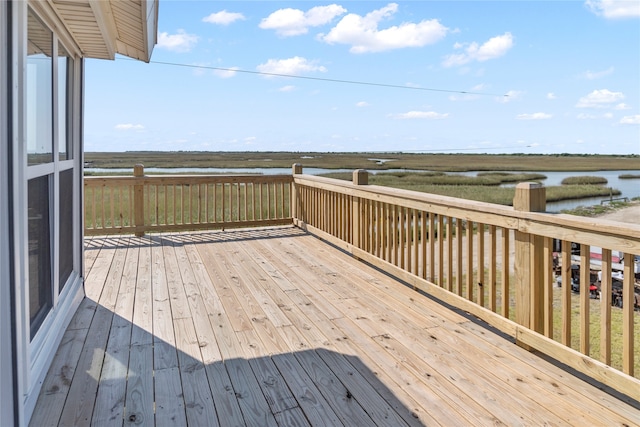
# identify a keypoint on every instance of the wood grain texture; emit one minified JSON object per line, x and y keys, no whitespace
{"x":276,"y":327}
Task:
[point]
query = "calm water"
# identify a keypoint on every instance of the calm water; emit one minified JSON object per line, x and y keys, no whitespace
{"x":629,"y":187}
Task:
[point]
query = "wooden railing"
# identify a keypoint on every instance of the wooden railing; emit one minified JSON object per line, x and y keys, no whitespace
{"x":139,"y":203}
{"x":497,"y":263}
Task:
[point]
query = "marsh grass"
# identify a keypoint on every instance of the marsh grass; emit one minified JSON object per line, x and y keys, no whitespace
{"x":484,"y":188}
{"x":584,"y":180}
{"x":421,"y":161}
{"x":629,"y":176}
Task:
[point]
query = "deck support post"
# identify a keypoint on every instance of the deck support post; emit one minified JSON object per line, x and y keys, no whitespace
{"x":529,"y":260}
{"x":138,"y":201}
{"x":296,"y":169}
{"x":360,"y":177}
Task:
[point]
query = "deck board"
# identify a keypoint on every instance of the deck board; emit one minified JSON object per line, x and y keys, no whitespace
{"x":273,"y":327}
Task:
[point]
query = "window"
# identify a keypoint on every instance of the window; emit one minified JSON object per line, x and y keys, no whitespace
{"x":52,"y":194}
{"x":39,"y":92}
{"x":64,"y":116}
{"x":66,"y":227}
{"x":40,"y":292}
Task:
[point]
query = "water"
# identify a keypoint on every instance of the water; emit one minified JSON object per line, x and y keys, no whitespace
{"x":629,"y":187}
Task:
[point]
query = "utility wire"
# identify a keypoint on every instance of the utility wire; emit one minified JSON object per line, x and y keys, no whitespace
{"x":354,"y":82}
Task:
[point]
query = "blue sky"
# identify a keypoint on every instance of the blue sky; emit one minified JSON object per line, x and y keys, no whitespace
{"x":429,"y":76}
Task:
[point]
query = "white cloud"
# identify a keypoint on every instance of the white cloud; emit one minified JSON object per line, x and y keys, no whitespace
{"x":288,"y":88}
{"x":511,"y":95}
{"x":290,"y":66}
{"x":362,"y":33}
{"x":493,"y":48}
{"x":622,"y":106}
{"x":600,"y":99}
{"x":551,"y":96}
{"x":630,"y":120}
{"x":180,"y":42}
{"x":593,"y":75}
{"x":293,"y":22}
{"x":534,"y":116}
{"x":227,"y":73}
{"x":223,"y":18}
{"x":614,"y":9}
{"x":129,"y":126}
{"x":420,"y":115}
{"x":362,"y":104}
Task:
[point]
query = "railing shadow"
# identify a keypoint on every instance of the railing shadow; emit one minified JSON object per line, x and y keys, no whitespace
{"x":193,"y":237}
{"x":125,"y":374}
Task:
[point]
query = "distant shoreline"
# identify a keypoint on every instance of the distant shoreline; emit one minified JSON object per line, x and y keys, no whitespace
{"x":458,"y":162}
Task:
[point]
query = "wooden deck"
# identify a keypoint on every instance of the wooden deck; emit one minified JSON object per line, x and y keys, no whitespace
{"x":271,"y":327}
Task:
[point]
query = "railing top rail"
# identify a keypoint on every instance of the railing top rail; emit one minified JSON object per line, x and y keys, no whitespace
{"x":175,"y":179}
{"x":602,"y":233}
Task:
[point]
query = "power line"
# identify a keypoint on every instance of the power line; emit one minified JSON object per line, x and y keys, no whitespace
{"x":354,"y":82}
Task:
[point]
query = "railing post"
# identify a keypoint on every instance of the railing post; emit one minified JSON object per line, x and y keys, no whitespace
{"x":529,"y":260}
{"x":138,"y":201}
{"x":360,"y":177}
{"x":296,"y":169}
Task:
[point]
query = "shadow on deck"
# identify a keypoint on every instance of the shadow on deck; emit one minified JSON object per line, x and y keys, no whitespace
{"x":271,"y":327}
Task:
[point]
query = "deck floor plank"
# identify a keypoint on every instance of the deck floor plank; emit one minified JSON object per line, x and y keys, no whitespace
{"x":56,"y":385}
{"x":143,"y":308}
{"x":275,"y":327}
{"x":165,"y":355}
{"x":198,"y":399}
{"x":170,"y":409}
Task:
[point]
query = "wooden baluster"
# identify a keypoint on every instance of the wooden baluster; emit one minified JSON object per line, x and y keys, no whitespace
{"x":585,"y":252}
{"x":458,"y":283}
{"x":423,"y":241}
{"x":505,"y":294}
{"x":628,"y":300}
{"x":416,"y":241}
{"x":606,"y":289}
{"x":441,"y":232}
{"x":432,"y":247}
{"x":470,"y":283}
{"x":548,"y":287}
{"x":480,"y":259}
{"x":359,"y":177}
{"x":449,"y":254}
{"x":565,"y":337}
{"x":401,"y":243}
{"x":493,"y":254}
